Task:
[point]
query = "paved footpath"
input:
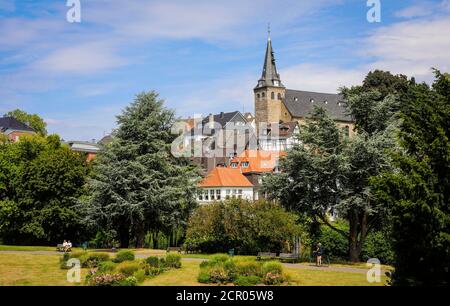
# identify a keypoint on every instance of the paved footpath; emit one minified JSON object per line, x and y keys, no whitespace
{"x":304,"y":266}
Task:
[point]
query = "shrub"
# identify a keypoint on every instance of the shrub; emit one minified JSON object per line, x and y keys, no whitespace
{"x":128,"y":268}
{"x":106,"y":280}
{"x":76,"y":254}
{"x":106,"y":266}
{"x":173,"y":261}
{"x":139,"y":275}
{"x":272,"y":267}
{"x":248,"y":268}
{"x":273,"y":279}
{"x":129,"y":282}
{"x":248,"y":280}
{"x":231,"y":224}
{"x":203,"y":277}
{"x":153,"y":261}
{"x":92,"y":260}
{"x":334,"y":244}
{"x":220,"y":258}
{"x":124,"y":255}
{"x":378,"y":245}
{"x":218,"y":274}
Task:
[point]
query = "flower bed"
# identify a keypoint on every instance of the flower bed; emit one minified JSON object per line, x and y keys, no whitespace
{"x":225,"y":270}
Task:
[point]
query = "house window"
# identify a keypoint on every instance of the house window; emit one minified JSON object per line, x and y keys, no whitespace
{"x":239,"y":194}
{"x":211,"y":192}
{"x":234,"y":165}
{"x":272,"y":95}
{"x":200,"y":196}
{"x":347,"y":131}
{"x":206,"y":195}
{"x":228,"y":193}
{"x":218,"y":194}
{"x":245,"y":164}
{"x":233,"y":195}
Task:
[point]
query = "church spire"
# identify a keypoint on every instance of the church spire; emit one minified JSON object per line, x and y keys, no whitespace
{"x":270,"y":76}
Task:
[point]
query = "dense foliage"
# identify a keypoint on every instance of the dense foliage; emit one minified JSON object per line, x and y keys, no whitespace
{"x":247,"y":227}
{"x":40,"y":180}
{"x":223,"y":270}
{"x":32,"y":120}
{"x":417,"y":190}
{"x":137,"y":185}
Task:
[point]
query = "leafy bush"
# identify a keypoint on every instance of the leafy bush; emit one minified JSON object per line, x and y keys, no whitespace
{"x":173,"y":261}
{"x":219,"y":258}
{"x":153,"y":261}
{"x":334,"y":244}
{"x":272,"y":267}
{"x":251,"y":280}
{"x":248,"y":227}
{"x":128,"y":268}
{"x":106,"y":266}
{"x":139,"y":275}
{"x":92,"y":260}
{"x":106,"y":279}
{"x":243,"y":273}
{"x":129,"y":282}
{"x":124,"y":255}
{"x":378,"y":245}
{"x":248,"y":268}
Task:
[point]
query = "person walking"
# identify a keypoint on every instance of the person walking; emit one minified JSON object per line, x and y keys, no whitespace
{"x":319,"y":253}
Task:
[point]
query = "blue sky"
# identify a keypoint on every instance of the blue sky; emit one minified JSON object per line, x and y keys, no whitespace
{"x":201,"y":56}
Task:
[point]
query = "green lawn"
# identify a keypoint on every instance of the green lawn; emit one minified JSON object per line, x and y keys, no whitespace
{"x":22,"y":269}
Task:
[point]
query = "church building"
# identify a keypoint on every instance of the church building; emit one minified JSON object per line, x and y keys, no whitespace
{"x":274,"y":103}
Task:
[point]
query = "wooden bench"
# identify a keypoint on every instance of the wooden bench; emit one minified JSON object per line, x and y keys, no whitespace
{"x":266,"y":255}
{"x":61,"y":248}
{"x":288,"y":257}
{"x":174,"y":249}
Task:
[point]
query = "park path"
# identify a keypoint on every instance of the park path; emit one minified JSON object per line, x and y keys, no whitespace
{"x":303,"y":266}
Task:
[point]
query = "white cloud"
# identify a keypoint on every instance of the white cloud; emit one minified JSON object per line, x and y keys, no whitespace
{"x":423,"y":9}
{"x":411,"y":47}
{"x":321,"y":78}
{"x":86,"y":58}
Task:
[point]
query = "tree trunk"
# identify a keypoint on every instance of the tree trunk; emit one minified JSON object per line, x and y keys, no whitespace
{"x":140,"y":237}
{"x":353,"y":237}
{"x":124,"y":237}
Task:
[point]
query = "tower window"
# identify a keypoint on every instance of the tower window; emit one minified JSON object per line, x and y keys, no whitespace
{"x":279,"y":96}
{"x":272,"y":95}
{"x":263,"y":95}
{"x":257,"y":95}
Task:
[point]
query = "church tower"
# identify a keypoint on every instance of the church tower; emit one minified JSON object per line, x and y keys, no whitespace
{"x":269,"y":92}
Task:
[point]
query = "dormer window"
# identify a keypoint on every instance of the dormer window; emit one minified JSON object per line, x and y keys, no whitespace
{"x":234,"y":165}
{"x":245,"y":164}
{"x":311,"y":100}
{"x":295,"y":99}
{"x":326,"y":102}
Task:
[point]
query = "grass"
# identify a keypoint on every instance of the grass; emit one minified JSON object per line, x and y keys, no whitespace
{"x":25,"y":269}
{"x":32,"y":270}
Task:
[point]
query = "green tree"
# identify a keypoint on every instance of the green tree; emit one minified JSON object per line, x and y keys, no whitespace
{"x":417,"y":189}
{"x":328,"y":172}
{"x":32,"y":120}
{"x":39,"y":182}
{"x":246,"y":226}
{"x":137,"y":184}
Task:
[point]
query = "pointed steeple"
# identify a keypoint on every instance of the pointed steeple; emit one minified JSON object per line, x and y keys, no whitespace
{"x":270,"y":76}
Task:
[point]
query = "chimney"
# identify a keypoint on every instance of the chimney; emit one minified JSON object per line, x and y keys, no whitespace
{"x":93,"y":140}
{"x":221,"y":115}
{"x":211,"y":117}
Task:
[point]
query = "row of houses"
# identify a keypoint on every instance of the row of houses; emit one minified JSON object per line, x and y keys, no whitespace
{"x":236,"y":150}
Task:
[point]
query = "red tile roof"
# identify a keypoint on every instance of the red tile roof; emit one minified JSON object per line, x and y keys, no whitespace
{"x":259,"y":161}
{"x":225,"y":177}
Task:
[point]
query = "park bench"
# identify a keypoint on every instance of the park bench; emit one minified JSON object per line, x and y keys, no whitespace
{"x":61,"y":248}
{"x":174,"y":249}
{"x":288,"y":257}
{"x":266,"y":255}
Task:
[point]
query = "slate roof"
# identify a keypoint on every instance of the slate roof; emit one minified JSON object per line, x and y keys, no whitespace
{"x":301,"y":104}
{"x":11,"y":123}
{"x":285,"y":129}
{"x":222,"y":118}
